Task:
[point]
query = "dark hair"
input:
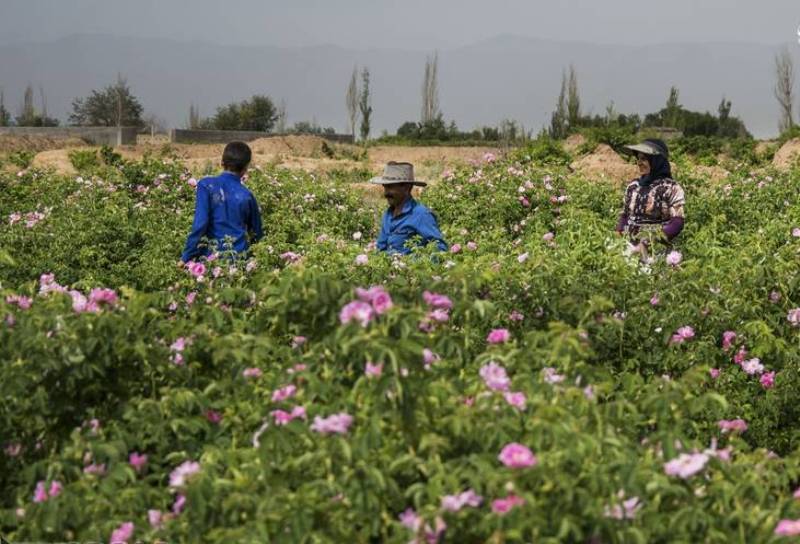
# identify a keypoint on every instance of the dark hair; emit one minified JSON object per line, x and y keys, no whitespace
{"x":236,"y":156}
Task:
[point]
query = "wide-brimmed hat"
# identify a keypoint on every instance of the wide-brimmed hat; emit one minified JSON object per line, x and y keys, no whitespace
{"x":651,"y":146}
{"x":398,"y":172}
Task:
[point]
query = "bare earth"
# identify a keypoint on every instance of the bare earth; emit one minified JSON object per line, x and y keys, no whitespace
{"x":308,"y":153}
{"x":313,"y":154}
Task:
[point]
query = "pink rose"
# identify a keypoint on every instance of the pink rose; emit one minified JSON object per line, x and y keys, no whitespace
{"x":788,"y":527}
{"x":358,"y":311}
{"x":516,"y":316}
{"x":179,"y":476}
{"x":732,"y":425}
{"x":334,"y":424}
{"x":495,"y":377}
{"x":382,"y":303}
{"x":517,"y":400}
{"x":137,"y":461}
{"x":686,"y":465}
{"x":429,"y":357}
{"x":498,"y":336}
{"x":682,"y":334}
{"x":454,"y":503}
{"x":674,"y":258}
{"x":439,"y":315}
{"x":503,"y":506}
{"x":286,"y":392}
{"x":106,"y":296}
{"x":728,"y":338}
{"x":155,"y":518}
{"x":290,"y":257}
{"x":196,"y":269}
{"x":179,"y":504}
{"x":753,"y":366}
{"x":282,"y":417}
{"x":123,"y":533}
{"x":40,"y":492}
{"x":515,"y":455}
{"x":435,"y":300}
{"x":55,"y":489}
{"x":372,"y":370}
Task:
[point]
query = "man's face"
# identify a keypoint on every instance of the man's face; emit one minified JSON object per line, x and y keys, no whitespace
{"x":396,"y":193}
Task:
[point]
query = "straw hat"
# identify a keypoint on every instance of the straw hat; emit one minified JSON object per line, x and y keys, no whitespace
{"x":398,"y":172}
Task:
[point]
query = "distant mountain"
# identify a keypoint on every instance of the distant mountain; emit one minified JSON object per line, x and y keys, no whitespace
{"x":480,"y":84}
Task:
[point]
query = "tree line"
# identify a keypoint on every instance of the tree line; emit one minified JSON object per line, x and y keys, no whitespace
{"x":568,"y":116}
{"x":116,"y":105}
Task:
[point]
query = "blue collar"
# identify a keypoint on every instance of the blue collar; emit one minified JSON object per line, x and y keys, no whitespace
{"x":229,"y":174}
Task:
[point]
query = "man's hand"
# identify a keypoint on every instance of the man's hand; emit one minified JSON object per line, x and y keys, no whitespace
{"x":181,"y":264}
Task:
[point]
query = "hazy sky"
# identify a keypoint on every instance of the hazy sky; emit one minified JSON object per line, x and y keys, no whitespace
{"x":410,"y":24}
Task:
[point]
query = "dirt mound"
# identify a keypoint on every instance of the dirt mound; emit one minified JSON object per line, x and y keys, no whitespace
{"x":574,"y":141}
{"x":380,"y":155}
{"x":373,"y":193}
{"x":57,"y":159}
{"x":604,"y":162}
{"x":787,"y":155}
{"x":764,"y":146}
{"x":714,"y":173}
{"x":303,"y":146}
{"x":11,"y":144}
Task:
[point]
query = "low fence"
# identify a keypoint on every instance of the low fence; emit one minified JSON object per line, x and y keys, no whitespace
{"x":187,"y":136}
{"x":111,"y":136}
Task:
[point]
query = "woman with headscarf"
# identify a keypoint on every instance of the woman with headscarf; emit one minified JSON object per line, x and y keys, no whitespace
{"x":653,"y":202}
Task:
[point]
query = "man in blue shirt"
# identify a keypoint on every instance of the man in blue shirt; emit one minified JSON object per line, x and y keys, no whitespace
{"x":405,"y":218}
{"x":226,"y":212}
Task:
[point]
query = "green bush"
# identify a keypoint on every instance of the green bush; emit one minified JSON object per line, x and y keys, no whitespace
{"x":614,"y":136}
{"x":21,"y":159}
{"x":595,"y":384}
{"x":84,"y":160}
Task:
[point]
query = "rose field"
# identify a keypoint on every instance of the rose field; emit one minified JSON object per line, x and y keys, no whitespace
{"x":537,"y":383}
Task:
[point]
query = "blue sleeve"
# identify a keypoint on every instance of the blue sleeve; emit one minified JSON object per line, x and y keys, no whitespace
{"x":255,"y":220}
{"x":383,"y":238}
{"x":202,"y":215}
{"x":428,"y":229}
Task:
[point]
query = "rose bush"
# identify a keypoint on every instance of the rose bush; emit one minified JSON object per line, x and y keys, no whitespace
{"x":309,"y":394}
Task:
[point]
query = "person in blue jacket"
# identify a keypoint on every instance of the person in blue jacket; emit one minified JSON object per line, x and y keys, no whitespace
{"x":226,"y":214}
{"x":405,"y":218}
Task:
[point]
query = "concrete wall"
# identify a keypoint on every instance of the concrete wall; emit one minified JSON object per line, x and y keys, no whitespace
{"x":185,"y":136}
{"x":111,"y":136}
